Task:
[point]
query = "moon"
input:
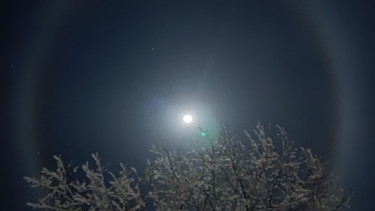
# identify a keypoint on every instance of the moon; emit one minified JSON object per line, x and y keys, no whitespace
{"x":187,"y":118}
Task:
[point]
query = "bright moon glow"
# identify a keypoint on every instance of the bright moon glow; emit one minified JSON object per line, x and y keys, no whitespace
{"x":187,"y":118}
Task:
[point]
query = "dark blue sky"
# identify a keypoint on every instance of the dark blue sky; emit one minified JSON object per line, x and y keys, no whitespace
{"x":114,"y":77}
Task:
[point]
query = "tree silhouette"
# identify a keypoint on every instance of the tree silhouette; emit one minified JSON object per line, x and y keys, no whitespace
{"x":227,"y":174}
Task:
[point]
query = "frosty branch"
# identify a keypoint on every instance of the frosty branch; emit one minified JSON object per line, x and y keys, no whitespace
{"x":230,"y":174}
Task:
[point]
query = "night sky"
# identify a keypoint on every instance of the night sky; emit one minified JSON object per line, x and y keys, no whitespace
{"x":115,"y":77}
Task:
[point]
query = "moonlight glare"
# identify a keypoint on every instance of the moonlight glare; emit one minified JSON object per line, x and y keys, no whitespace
{"x":187,"y":118}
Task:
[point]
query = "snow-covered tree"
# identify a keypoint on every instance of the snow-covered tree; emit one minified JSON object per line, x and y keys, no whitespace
{"x":227,"y":174}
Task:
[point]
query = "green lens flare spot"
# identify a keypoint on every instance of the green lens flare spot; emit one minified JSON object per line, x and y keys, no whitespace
{"x":203,"y":134}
